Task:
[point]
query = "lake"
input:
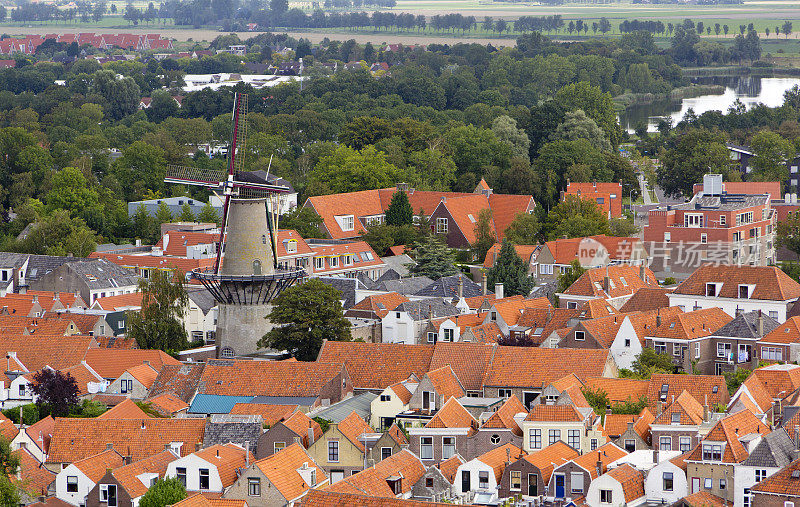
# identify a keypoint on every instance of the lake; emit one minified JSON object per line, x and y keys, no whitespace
{"x":750,"y":90}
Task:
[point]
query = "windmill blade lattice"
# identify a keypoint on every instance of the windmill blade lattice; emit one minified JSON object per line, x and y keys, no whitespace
{"x":195,"y":176}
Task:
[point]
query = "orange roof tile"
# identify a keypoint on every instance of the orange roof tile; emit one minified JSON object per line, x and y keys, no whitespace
{"x":730,"y":429}
{"x":498,"y":457}
{"x":318,"y":498}
{"x":281,"y":470}
{"x":111,"y":363}
{"x":35,"y":477}
{"x":690,"y":325}
{"x":125,"y":410}
{"x":452,"y":415}
{"x":449,"y":467}
{"x":485,"y":334}
{"x":143,"y":373}
{"x":506,"y":207}
{"x":552,"y":456}
{"x":94,"y":467}
{"x":203,"y":500}
{"x":132,"y":301}
{"x":615,"y":425}
{"x":632,"y":481}
{"x":770,"y":282}
{"x":75,"y":439}
{"x":300,"y":423}
{"x":605,"y":454}
{"x":377,"y":365}
{"x":647,"y":298}
{"x":380,"y":304}
{"x":8,"y":430}
{"x":689,"y":409}
{"x":373,"y":481}
{"x":397,"y":434}
{"x":524,"y":251}
{"x":41,"y":432}
{"x":511,"y":310}
{"x":778,"y":380}
{"x":703,"y":499}
{"x":554,"y":413}
{"x":504,"y":417}
{"x":271,"y":414}
{"x":179,"y":240}
{"x":127,"y":475}
{"x":402,"y":392}
{"x":702,"y":387}
{"x":268,"y":378}
{"x":352,"y":426}
{"x":465,"y":211}
{"x":228,"y":458}
{"x":757,"y":393}
{"x":782,"y":482}
{"x":58,"y":352}
{"x":169,"y":404}
{"x":445,"y":382}
{"x":576,"y":396}
{"x":625,"y":280}
{"x":535,"y":366}
{"x":786,"y":333}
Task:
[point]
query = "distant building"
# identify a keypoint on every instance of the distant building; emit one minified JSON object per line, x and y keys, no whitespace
{"x":608,"y":196}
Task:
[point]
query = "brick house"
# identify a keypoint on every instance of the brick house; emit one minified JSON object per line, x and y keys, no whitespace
{"x":629,"y":432}
{"x":392,"y":441}
{"x":124,"y":483}
{"x":736,"y":342}
{"x":296,"y":428}
{"x":780,"y":490}
{"x":678,"y":427}
{"x":436,"y":483}
{"x":607,"y":196}
{"x":615,"y":284}
{"x":340,"y":452}
{"x":572,"y":479}
{"x":446,"y":434}
{"x":547,"y":424}
{"x":530,"y":475}
{"x":501,"y":428}
{"x":436,"y":387}
{"x":777,"y":344}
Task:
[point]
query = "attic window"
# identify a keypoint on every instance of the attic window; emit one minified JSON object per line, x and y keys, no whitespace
{"x":795,"y":474}
{"x":624,"y":282}
{"x":538,"y":331}
{"x":711,"y":290}
{"x":745,"y":291}
{"x":715,"y":389}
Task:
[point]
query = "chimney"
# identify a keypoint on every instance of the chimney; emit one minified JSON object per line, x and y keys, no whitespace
{"x":630,"y":425}
{"x":660,"y":408}
{"x":127,"y":459}
{"x":655,"y":455}
{"x":607,"y":284}
{"x":20,"y":418}
{"x":498,"y":290}
{"x":109,"y":447}
{"x":642,"y":273}
{"x":706,"y":412}
{"x":599,"y":465}
{"x":460,"y":286}
{"x":483,"y":284}
{"x":658,"y":317}
{"x":430,"y":312}
{"x":760,"y":324}
{"x":310,"y":434}
{"x":166,"y":447}
{"x":57,"y":296}
{"x":247,"y":454}
{"x":508,"y":456}
{"x":198,"y":446}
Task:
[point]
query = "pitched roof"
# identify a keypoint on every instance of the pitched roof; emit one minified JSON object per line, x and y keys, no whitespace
{"x":380,"y":304}
{"x":271,"y":414}
{"x":373,"y":480}
{"x":775,"y":450}
{"x":703,"y":499}
{"x":746,"y":325}
{"x":615,"y":425}
{"x":266,"y":378}
{"x":469,"y":362}
{"x":730,"y":429}
{"x":511,"y":309}
{"x":546,"y":320}
{"x":228,"y":458}
{"x":377,"y":365}
{"x":535,"y":366}
{"x":168,"y":404}
{"x":778,"y":379}
{"x":144,"y":373}
{"x":324,"y":498}
{"x":281,"y":470}
{"x":485,"y":334}
{"x":523,"y":251}
{"x":465,"y":211}
{"x":770,"y":283}
{"x":786,"y":333}
{"x":41,"y":432}
{"x":94,"y":467}
{"x":445,"y":382}
{"x":754,"y":395}
{"x":204,"y":500}
{"x":604,"y":330}
{"x":689,"y":409}
{"x":128,"y":475}
{"x":111,"y":363}
{"x":58,"y":352}
{"x":784,"y":482}
{"x":35,"y":477}
{"x":452,"y":415}
{"x":624,"y":281}
{"x":125,"y":410}
{"x":504,"y":417}
{"x":75,"y":439}
{"x":119,"y":302}
{"x":644,"y":322}
{"x":691,"y":325}
{"x":449,"y":467}
{"x":397,"y":434}
{"x":431,"y":307}
{"x":632,"y":481}
{"x":647,"y":298}
{"x":402,"y":392}
{"x":703,"y":387}
{"x":551,"y":457}
{"x":352,"y":426}
{"x":498,"y":458}
{"x":8,"y":430}
{"x":447,"y":287}
{"x":180,"y":380}
{"x":554,"y":413}
{"x":605,"y":454}
{"x":300,"y":424}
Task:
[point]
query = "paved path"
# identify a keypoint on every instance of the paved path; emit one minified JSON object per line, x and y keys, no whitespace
{"x":645,"y":191}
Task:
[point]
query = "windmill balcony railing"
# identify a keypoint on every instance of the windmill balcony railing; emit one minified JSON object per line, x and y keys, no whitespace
{"x":247,"y":289}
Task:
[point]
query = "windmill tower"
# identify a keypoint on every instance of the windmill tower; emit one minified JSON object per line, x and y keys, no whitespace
{"x":245,"y":278}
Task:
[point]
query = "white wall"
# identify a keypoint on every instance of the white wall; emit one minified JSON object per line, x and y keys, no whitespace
{"x":605,"y":482}
{"x":624,"y":356}
{"x":653,"y":485}
{"x":398,"y":330}
{"x":389,"y":408}
{"x":30,"y":444}
{"x":474,"y":467}
{"x":729,"y":305}
{"x":84,"y":485}
{"x":745,"y":477}
{"x":193,"y":464}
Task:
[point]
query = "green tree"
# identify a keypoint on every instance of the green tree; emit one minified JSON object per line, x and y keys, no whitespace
{"x":629,"y":406}
{"x":162,"y":106}
{"x":595,"y":103}
{"x":71,"y":191}
{"x":143,"y":226}
{"x":433,"y":258}
{"x":568,"y":277}
{"x":400,"y":211}
{"x":524,"y":229}
{"x":9,"y":493}
{"x":163,"y":214}
{"x":305,"y":315}
{"x":432,"y":169}
{"x":141,"y":167}
{"x":121,"y":95}
{"x":484,"y":234}
{"x":770,"y":154}
{"x":597,"y":399}
{"x":648,"y":362}
{"x":56,"y":390}
{"x":303,"y":220}
{"x":208,"y":215}
{"x":788,"y":233}
{"x":505,"y":129}
{"x":187,"y":215}
{"x":692,"y":154}
{"x":736,"y":378}
{"x":59,"y":234}
{"x":577,"y":125}
{"x":511,"y":271}
{"x":622,"y":227}
{"x":164,"y":492}
{"x":574,"y":218}
{"x":350,"y":170}
{"x":159,"y":324}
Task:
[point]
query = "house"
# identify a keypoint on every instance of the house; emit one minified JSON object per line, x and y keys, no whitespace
{"x":737,"y":342}
{"x":294,"y":428}
{"x":91,"y":279}
{"x":409,"y":320}
{"x":615,"y":284}
{"x":737,"y":289}
{"x":134,"y":382}
{"x":678,"y":427}
{"x":666,"y":482}
{"x":111,"y":364}
{"x":754,"y":396}
{"x":35,"y":439}
{"x":530,"y":474}
{"x":708,"y":389}
{"x":647,"y":299}
{"x":556,"y":256}
{"x":168,"y":405}
{"x":631,"y":336}
{"x":345,"y":259}
{"x":480,"y":478}
{"x":500,"y":428}
{"x":607,"y":196}
{"x":782,"y":488}
{"x":779,"y":342}
{"x":391,"y":441}
{"x":630,"y":432}
{"x":547,"y":424}
{"x":623,"y":485}
{"x":390,"y":402}
{"x":444,"y":435}
{"x":76,"y":439}
{"x":711,"y":464}
{"x":19,"y":271}
{"x":212,"y":469}
{"x":713,"y":227}
{"x":32,"y":479}
{"x":181,"y":381}
{"x":242,"y":430}
{"x":280,"y":479}
{"x":270,"y":414}
{"x":773,"y":453}
{"x":436,"y":387}
{"x":391,"y":478}
{"x":507,"y":312}
{"x":340,"y":452}
{"x":437,"y":481}
{"x":528,"y":254}
{"x":127,"y":409}
{"x":572,"y":479}
{"x":75,"y":480}
{"x":126,"y":484}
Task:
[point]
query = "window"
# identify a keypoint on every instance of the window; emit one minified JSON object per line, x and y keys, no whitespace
{"x":428,"y":482}
{"x":711,"y":289}
{"x":605,"y":496}
{"x":426,"y":447}
{"x":693,"y":220}
{"x":494,"y":439}
{"x":432,"y":337}
{"x":253,"y":486}
{"x":205,"y":478}
{"x":516,"y":480}
{"x":448,"y":447}
{"x":761,"y":474}
{"x":773,"y":314}
{"x":441,"y":226}
{"x":630,"y":444}
{"x":660,"y":347}
{"x":386,"y":397}
{"x":483,"y":480}
{"x":333,"y":451}
{"x":574,"y":439}
{"x":386,"y":452}
{"x":333,"y":262}
{"x":667,"y":237}
{"x":494,"y":316}
{"x":697,"y":350}
{"x":108,"y":494}
{"x":704,"y":238}
{"x":580,"y":336}
{"x":712,"y":452}
{"x":348,"y":260}
{"x":772,"y":353}
{"x":744,"y":291}
{"x":319,"y":262}
{"x":723,"y":484}
{"x":554,"y":436}
{"x":291,"y":246}
{"x":724,"y":350}
{"x":278,"y":446}
{"x":72,"y":484}
{"x":22,"y":389}
{"x":448,"y":335}
{"x":504,"y":393}
{"x":708,"y":483}
{"x":348,"y":223}
{"x":665,"y":443}
{"x":256,"y":267}
{"x":180,"y":472}
{"x":593,"y":445}
{"x":535,"y":439}
{"x":576,"y":482}
{"x":227,"y":352}
{"x":627,"y":342}
{"x":685,"y":444}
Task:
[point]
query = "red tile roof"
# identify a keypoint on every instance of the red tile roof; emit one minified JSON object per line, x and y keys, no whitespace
{"x":377,"y":365}
{"x":271,"y":414}
{"x":469,"y":361}
{"x":504,"y":417}
{"x":281,"y":471}
{"x":619,"y":389}
{"x":267,"y":378}
{"x":300,"y":424}
{"x":632,"y":481}
{"x":647,"y":298}
{"x":782,"y":482}
{"x":352,"y":426}
{"x":554,"y":413}
{"x":132,"y":301}
{"x":535,"y":366}
{"x":770,"y":282}
{"x":445,"y":383}
{"x":111,"y":363}
{"x":729,"y":430}
{"x":605,"y":454}
{"x":452,"y":415}
{"x":624,"y":281}
{"x":168,"y":404}
{"x":702,"y":387}
{"x":524,"y":251}
{"x":551,"y":457}
{"x":786,"y":333}
{"x":690,"y":325}
{"x":125,"y":410}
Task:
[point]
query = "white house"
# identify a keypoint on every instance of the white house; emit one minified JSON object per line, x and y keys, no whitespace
{"x":666,"y":482}
{"x":200,"y":320}
{"x":390,"y":402}
{"x":621,"y":486}
{"x":75,"y":481}
{"x":33,"y":438}
{"x":407,"y":321}
{"x":629,"y":340}
{"x":774,"y":452}
{"x":211,"y":469}
{"x":134,"y":382}
{"x":483,"y":474}
{"x":547,"y":424}
{"x":738,"y":289}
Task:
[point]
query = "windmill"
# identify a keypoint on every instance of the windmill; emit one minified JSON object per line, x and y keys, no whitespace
{"x":245,"y":277}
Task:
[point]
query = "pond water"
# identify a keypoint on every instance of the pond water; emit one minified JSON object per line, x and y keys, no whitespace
{"x":750,"y":90}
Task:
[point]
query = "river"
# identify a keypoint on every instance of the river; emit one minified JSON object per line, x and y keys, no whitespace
{"x":750,"y":90}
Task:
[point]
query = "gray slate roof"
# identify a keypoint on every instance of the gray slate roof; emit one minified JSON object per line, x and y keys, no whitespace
{"x":399,"y":264}
{"x":746,"y":326}
{"x":776,"y":449}
{"x":203,"y":299}
{"x":237,"y":429}
{"x":447,"y":287}
{"x":38,"y":265}
{"x":102,"y":274}
{"x":421,"y":309}
{"x":359,"y":403}
{"x":411,"y":285}
{"x":347,"y":286}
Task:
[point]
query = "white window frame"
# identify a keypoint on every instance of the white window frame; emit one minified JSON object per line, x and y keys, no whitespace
{"x":442,"y":225}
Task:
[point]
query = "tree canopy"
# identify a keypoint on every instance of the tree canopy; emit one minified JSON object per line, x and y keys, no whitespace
{"x":510,"y":270}
{"x":433,"y":258}
{"x":159,"y":324}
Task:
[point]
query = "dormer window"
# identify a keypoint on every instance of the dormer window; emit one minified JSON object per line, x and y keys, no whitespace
{"x":675,"y":418}
{"x":291,"y":246}
{"x":346,"y":222}
{"x":745,"y":291}
{"x":394,"y":483}
{"x":712,"y":289}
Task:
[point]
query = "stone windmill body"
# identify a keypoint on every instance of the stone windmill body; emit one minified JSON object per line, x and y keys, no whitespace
{"x":245,"y":278}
